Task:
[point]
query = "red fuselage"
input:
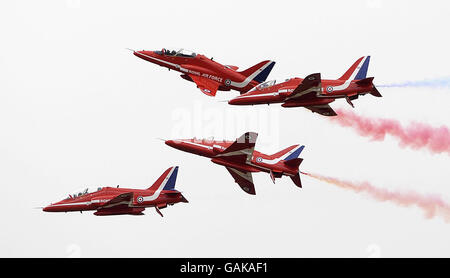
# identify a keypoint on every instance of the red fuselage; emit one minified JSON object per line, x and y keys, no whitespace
{"x":197,"y":65}
{"x":280,"y":93}
{"x":96,"y":201}
{"x":212,"y":149}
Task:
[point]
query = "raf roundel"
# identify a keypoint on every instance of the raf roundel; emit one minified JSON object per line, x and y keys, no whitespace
{"x":329,"y":89}
{"x":259,"y":159}
{"x":140,"y":199}
{"x":227,"y":82}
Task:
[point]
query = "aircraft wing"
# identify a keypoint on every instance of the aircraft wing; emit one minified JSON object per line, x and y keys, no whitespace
{"x":324,"y":109}
{"x":207,"y":86}
{"x":241,"y":149}
{"x":310,"y":86}
{"x":244,"y":179}
{"x":122,"y":199}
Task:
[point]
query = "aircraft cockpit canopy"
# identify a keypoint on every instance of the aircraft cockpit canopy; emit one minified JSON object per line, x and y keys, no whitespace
{"x":180,"y":53}
{"x":84,"y":191}
{"x":268,"y":84}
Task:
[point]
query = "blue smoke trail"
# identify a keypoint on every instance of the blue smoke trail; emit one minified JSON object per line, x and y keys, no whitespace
{"x":443,"y":82}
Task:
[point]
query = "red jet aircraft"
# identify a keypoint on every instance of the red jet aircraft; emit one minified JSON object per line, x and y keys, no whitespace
{"x":240,"y":158}
{"x":114,"y":201}
{"x":312,"y":92}
{"x":209,"y":75}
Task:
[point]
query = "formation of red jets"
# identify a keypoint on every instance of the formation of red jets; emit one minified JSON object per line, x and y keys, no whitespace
{"x":239,"y":157}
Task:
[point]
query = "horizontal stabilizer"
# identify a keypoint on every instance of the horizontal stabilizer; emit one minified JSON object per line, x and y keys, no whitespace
{"x":365,"y":81}
{"x":172,"y":192}
{"x":183,"y":199}
{"x":293,"y":163}
{"x":375,"y":92}
{"x":296,"y":180}
{"x":175,"y":193}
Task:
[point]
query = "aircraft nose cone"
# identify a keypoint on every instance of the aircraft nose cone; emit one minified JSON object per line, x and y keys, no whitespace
{"x":143,"y":53}
{"x":234,"y":101}
{"x":170,"y":143}
{"x":183,"y":199}
{"x":47,"y":208}
{"x":176,"y":144}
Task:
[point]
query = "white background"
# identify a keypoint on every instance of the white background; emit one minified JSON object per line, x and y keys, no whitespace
{"x":77,"y":108}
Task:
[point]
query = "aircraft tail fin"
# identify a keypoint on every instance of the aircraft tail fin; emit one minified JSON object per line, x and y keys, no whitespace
{"x":358,"y":70}
{"x":293,"y":163}
{"x":167,"y":179}
{"x":260,"y":71}
{"x":290,"y":158}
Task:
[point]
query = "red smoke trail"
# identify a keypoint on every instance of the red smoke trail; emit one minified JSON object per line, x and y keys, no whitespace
{"x":416,"y":135}
{"x":431,"y":204}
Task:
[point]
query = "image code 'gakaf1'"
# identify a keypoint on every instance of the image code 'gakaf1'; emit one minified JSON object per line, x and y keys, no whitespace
{"x":116,"y":201}
{"x":241,"y":160}
{"x":209,"y":75}
{"x":312,"y":92}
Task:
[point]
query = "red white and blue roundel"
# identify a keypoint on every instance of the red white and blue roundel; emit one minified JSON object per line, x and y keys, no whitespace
{"x":140,"y":199}
{"x":329,"y":89}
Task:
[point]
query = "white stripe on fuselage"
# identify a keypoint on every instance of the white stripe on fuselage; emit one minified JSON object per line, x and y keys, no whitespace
{"x":71,"y":204}
{"x":258,"y":95}
{"x":195,"y":144}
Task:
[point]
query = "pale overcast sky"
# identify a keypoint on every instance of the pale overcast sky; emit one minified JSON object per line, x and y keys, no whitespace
{"x":78,"y":109}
